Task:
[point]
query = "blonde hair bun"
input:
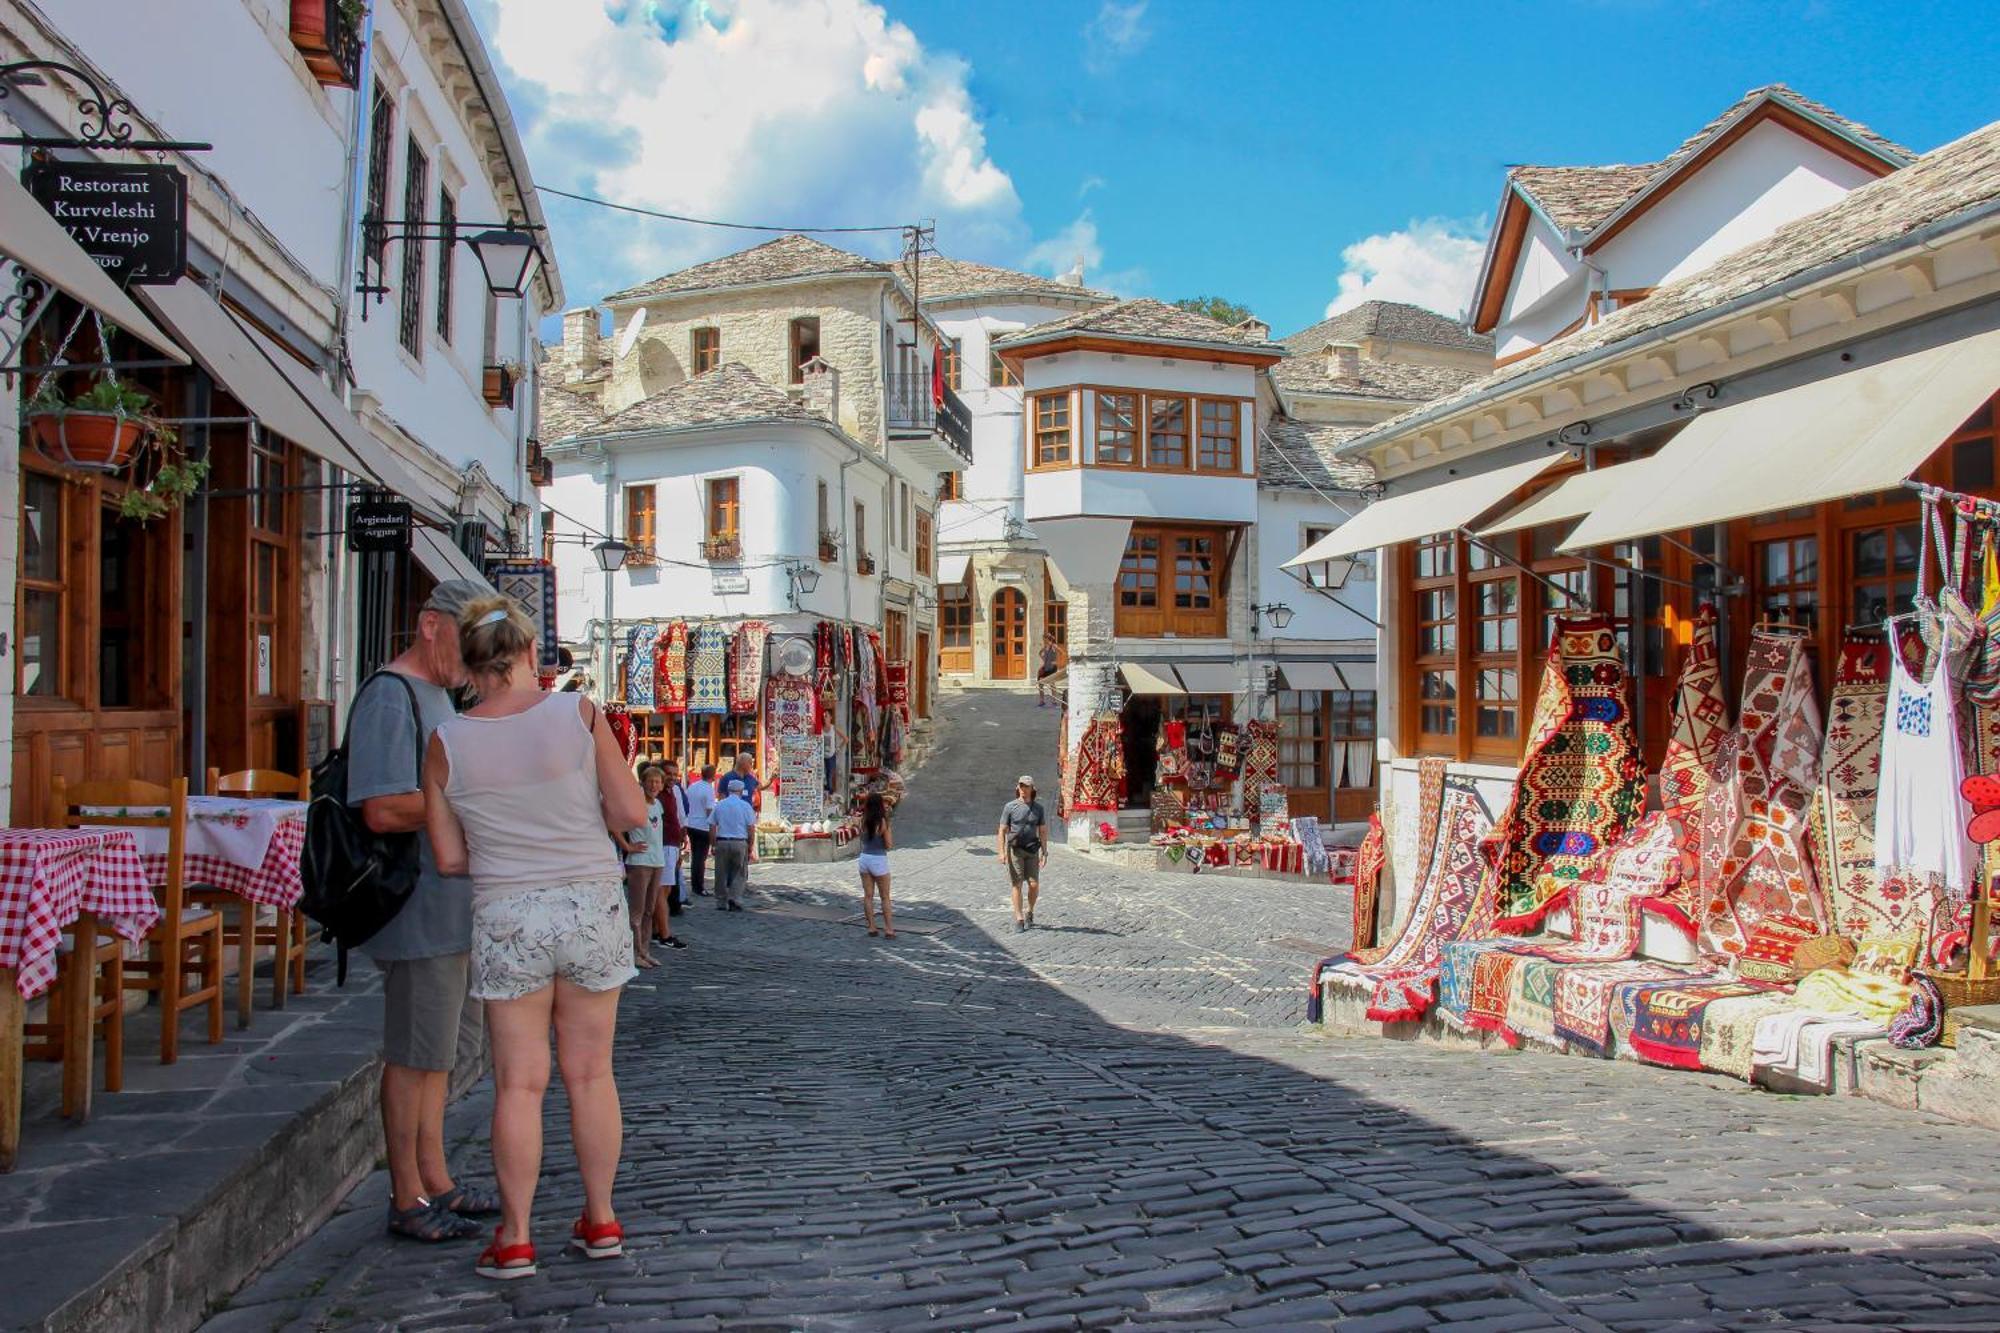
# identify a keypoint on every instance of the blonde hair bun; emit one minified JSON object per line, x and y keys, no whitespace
{"x":492,"y":635}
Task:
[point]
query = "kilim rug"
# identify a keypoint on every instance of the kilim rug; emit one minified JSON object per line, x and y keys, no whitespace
{"x":1843,"y":810}
{"x":1260,"y":763}
{"x":791,"y":707}
{"x":746,"y":669}
{"x":1583,"y":998}
{"x":1367,"y":881}
{"x":1762,"y":869}
{"x":866,"y":744}
{"x":1581,"y":779}
{"x":1450,"y":905}
{"x":1700,"y":719}
{"x":1458,"y":978}
{"x":864,"y":678}
{"x":707,"y":680}
{"x":1228,"y":750}
{"x":1531,"y":1000}
{"x":1729,"y":1032}
{"x":671,"y":655}
{"x":1430,"y":813}
{"x":1098,"y":782}
{"x":639,"y":665}
{"x":1666,"y":1022}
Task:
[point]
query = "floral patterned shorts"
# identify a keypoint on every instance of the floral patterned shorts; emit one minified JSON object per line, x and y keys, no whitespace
{"x":523,"y":941}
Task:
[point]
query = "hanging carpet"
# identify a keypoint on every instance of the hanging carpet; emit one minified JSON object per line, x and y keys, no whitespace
{"x":1367,"y":882}
{"x":639,"y":665}
{"x":1228,"y":750}
{"x":1759,"y":869}
{"x":1260,"y":764}
{"x":1861,"y":899}
{"x":671,"y":669}
{"x":791,"y":707}
{"x":746,"y":674}
{"x":1700,"y":720}
{"x":1098,"y":780}
{"x":707,"y":674}
{"x":1581,"y":779}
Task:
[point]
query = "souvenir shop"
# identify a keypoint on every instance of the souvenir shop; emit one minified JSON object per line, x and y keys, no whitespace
{"x":817,"y":704}
{"x":1788,"y":869}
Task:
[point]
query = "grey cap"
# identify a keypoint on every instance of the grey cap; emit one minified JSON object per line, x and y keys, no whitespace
{"x":452,"y":596}
{"x":1025,"y":780}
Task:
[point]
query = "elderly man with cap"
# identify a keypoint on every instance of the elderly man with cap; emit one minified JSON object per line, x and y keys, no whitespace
{"x":1024,"y":846}
{"x":424,"y":952}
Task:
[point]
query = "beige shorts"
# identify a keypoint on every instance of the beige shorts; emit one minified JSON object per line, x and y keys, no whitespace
{"x":523,"y":941}
{"x":1024,"y":864}
{"x":424,"y":1014}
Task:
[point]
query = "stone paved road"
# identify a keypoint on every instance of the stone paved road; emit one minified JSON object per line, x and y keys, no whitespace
{"x":1115,"y":1122}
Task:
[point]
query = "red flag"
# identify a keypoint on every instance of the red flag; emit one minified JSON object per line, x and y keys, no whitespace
{"x":937,"y":381}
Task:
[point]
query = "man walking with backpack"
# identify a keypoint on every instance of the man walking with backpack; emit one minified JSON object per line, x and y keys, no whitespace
{"x":425,"y":949}
{"x":1024,"y":846}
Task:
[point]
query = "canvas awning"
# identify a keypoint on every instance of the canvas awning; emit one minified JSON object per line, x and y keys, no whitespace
{"x":1311,"y":676}
{"x":1361,"y":677}
{"x":1403,"y":518}
{"x":1572,"y":498}
{"x":951,"y":567}
{"x":442,"y":559}
{"x":1149,"y":679}
{"x":37,"y":242}
{"x":1209,"y":677}
{"x":1861,"y":431}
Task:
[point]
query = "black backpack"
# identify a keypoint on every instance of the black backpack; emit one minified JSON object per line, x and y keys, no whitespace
{"x":356,"y":879}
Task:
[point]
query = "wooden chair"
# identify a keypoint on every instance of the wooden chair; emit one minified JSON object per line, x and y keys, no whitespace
{"x":186,"y":946}
{"x":286,"y":937}
{"x":46,"y":1040}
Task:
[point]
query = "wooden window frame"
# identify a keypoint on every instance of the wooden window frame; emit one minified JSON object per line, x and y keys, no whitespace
{"x":1055,"y":616}
{"x":926,"y":544}
{"x":1209,"y":443}
{"x":863,"y":561}
{"x":797,"y":329}
{"x":1046,"y":435}
{"x":951,"y":486}
{"x":642,"y":521}
{"x":952,"y":353}
{"x":1164,"y":619}
{"x":1189,"y":448}
{"x":1153,"y":402}
{"x":273,"y":474}
{"x":1134,"y":435}
{"x":704,"y":349}
{"x":895,"y":634}
{"x":999,"y":375}
{"x":724,"y":517}
{"x":64,"y":682}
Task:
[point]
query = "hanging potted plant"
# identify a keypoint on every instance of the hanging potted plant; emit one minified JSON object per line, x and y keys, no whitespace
{"x":101,"y":428}
{"x":176,"y":478}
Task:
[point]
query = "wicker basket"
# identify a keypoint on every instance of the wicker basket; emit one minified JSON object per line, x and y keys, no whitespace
{"x":1961,"y":992}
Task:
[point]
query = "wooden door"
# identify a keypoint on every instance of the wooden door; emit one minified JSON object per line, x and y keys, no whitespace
{"x":921,"y":669}
{"x":1010,"y":635}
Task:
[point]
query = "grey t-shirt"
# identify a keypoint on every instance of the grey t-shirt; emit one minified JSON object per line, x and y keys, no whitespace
{"x":384,"y":750}
{"x":1022,"y":820}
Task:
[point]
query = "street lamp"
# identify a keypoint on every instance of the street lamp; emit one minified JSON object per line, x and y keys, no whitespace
{"x":611,"y":554}
{"x":1280,"y":614}
{"x":509,"y":255}
{"x":804,"y":579}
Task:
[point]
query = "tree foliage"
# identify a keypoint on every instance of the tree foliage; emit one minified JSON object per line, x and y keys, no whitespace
{"x":1216,"y":308}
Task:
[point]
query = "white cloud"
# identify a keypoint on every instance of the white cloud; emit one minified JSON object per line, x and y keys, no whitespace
{"x":791,"y":112}
{"x":1118,"y":31}
{"x":1433,"y":262}
{"x":1078,"y":243}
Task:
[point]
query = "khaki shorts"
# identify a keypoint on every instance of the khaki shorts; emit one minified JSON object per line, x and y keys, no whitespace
{"x":1023,"y":864}
{"x":423,"y":1008}
{"x":523,"y":941}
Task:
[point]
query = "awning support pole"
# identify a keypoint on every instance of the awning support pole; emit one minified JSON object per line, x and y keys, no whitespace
{"x":1569,"y":598}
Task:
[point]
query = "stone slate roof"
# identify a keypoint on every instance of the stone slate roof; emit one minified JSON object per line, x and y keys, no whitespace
{"x":947,"y":279}
{"x":730,"y":393}
{"x":1294,"y":453}
{"x":564,"y":412}
{"x":1405,"y":381}
{"x":1145,"y":318}
{"x":1582,"y":198}
{"x":792,"y":256}
{"x":1393,"y":320}
{"x":1961,"y":175}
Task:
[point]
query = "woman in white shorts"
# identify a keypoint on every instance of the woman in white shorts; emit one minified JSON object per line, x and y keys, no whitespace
{"x":520,"y":792}
{"x":876,"y":840}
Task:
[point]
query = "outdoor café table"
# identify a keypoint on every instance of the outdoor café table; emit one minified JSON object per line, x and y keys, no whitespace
{"x":48,"y":879}
{"x":250,"y":848}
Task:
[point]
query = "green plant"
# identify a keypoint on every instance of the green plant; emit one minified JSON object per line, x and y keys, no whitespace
{"x":178,"y":478}
{"x":109,"y":395}
{"x":351,"y":11}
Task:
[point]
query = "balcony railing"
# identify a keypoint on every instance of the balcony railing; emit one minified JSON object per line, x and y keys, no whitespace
{"x":911,"y":407}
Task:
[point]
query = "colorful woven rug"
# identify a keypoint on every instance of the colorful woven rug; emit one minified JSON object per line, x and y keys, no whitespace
{"x":1666,"y":1023}
{"x":707,"y":670}
{"x":1583,"y":999}
{"x":1700,"y":719}
{"x":1458,"y":975}
{"x":866,"y":744}
{"x":1260,"y":763}
{"x":746,"y":666}
{"x":791,"y":707}
{"x":1531,"y":1000}
{"x":639,"y":665}
{"x":1098,"y":779}
{"x":1761,"y":869}
{"x":1729,"y":1031}
{"x":1861,"y":899}
{"x":1581,"y":779}
{"x":1650,"y":863}
{"x":1367,"y":881}
{"x":671,"y":659}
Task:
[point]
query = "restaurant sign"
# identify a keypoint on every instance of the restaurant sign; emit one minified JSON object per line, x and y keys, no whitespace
{"x":379,"y":525}
{"x":132,"y":219}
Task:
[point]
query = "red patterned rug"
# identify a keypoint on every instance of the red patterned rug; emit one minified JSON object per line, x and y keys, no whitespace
{"x":1367,"y":882}
{"x":1097,"y":781}
{"x":1700,"y":720}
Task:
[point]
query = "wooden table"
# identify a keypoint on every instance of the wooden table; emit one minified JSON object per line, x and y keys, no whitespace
{"x":49,"y":879}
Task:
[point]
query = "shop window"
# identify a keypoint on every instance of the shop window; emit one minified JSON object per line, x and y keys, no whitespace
{"x":1166,"y":433}
{"x":272,"y":567}
{"x":44,"y":610}
{"x":1787,"y":580}
{"x":805,"y":346}
{"x":1882,"y":570}
{"x":1117,"y":429}
{"x":1052,"y":430}
{"x":1350,"y":714}
{"x":706,"y":353}
{"x":999,"y":375}
{"x":416,"y":192}
{"x":1302,"y":740}
{"x":133,"y":560}
{"x":1215,"y":446}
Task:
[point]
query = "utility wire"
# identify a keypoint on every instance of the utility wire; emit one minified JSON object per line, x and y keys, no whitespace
{"x":704,"y":222}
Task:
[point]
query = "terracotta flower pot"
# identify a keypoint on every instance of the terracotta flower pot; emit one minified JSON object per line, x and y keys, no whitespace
{"x":87,"y":439}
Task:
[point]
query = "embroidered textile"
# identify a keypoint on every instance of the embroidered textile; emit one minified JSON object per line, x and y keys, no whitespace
{"x":1700,"y":719}
{"x":1922,"y":1024}
{"x":1584,"y":993}
{"x":791,"y":707}
{"x":1169,"y":808}
{"x":1098,"y":782}
{"x":746,"y":669}
{"x":619,"y":718}
{"x":867,"y":746}
{"x":1666,"y":1024}
{"x":1531,"y":1000}
{"x":1260,"y":763}
{"x":1768,"y":955}
{"x":1458,"y":971}
{"x":1367,"y":881}
{"x":1581,"y":779}
{"x":1759,"y":869}
{"x":1228,"y":751}
{"x":639,"y":665}
{"x":707,"y":689}
{"x":1860,"y":898}
{"x":1729,"y":1031}
{"x":670,"y":656}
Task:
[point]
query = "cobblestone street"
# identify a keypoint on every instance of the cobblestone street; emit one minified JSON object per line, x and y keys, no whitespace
{"x":1115,"y":1119}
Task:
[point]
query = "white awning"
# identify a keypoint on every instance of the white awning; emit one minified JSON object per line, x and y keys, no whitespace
{"x":1360,"y":676}
{"x":951,"y":567}
{"x":442,"y":559}
{"x":36,"y":241}
{"x":1403,"y":518}
{"x":1861,"y":431}
{"x":1311,"y":676}
{"x":1572,"y":498}
{"x":1209,"y":677}
{"x":1149,"y":680}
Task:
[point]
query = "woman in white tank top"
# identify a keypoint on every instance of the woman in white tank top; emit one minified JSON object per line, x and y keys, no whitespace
{"x":524,"y":791}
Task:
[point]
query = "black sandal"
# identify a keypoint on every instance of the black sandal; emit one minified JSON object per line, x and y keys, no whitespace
{"x":467,"y":1201}
{"x":431,"y":1224}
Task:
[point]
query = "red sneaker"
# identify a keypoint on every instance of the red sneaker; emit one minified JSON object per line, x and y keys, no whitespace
{"x":504,"y":1263}
{"x":597,"y":1240}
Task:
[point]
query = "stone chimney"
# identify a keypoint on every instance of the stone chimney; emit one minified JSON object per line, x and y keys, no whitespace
{"x":821,"y":389}
{"x":582,"y":337}
{"x":1343,"y":361}
{"x":1073,"y":278}
{"x":1256,"y":328}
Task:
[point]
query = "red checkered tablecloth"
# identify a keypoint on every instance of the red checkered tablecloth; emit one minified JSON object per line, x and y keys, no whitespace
{"x":251,"y":848}
{"x":274,"y":882}
{"x":49,"y":877}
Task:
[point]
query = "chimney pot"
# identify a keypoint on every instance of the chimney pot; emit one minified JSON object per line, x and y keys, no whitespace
{"x":1343,"y":361}
{"x":582,"y":338}
{"x":821,"y":389}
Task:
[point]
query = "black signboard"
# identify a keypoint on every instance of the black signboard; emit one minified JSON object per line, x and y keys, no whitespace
{"x":378,"y":525}
{"x":131,"y":219}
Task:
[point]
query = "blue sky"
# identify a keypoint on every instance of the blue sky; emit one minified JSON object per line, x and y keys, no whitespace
{"x":1259,"y":151}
